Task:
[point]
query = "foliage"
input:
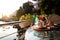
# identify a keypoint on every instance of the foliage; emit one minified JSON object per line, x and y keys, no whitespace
{"x":14,"y":18}
{"x":26,"y":17}
{"x":50,"y":6}
{"x":28,"y":8}
{"x":25,"y":9}
{"x":19,"y":12}
{"x":22,"y":17}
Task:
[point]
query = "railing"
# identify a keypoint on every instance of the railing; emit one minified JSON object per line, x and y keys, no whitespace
{"x":7,"y":35}
{"x":11,"y":23}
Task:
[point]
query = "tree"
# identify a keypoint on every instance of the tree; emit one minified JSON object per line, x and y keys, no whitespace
{"x":27,"y":7}
{"x":19,"y":12}
{"x":49,"y":6}
{"x":14,"y":18}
